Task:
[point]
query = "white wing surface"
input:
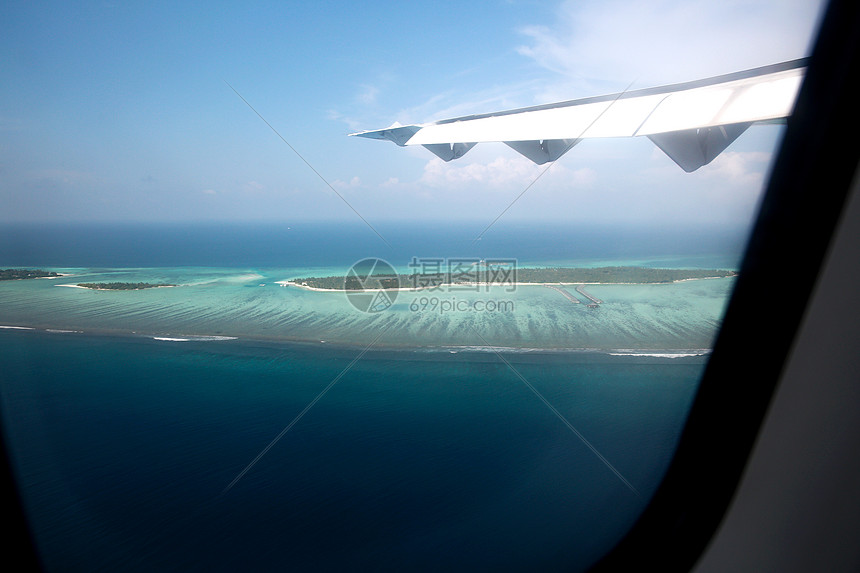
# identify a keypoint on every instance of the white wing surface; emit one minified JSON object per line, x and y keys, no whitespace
{"x":692,"y":122}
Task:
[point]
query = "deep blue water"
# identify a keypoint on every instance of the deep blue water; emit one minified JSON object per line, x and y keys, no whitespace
{"x":339,"y":245}
{"x":410,"y":462}
{"x":413,"y":459}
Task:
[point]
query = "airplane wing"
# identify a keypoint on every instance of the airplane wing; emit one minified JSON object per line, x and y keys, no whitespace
{"x":691,"y":122}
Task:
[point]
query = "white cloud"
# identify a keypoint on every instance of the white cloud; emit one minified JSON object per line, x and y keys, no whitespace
{"x":343,"y":185}
{"x":367,"y":95}
{"x":354,"y":124}
{"x":501,"y":173}
{"x":451,"y":103}
{"x":614,"y":42}
{"x":252,"y":187}
{"x":600,"y":46}
{"x":741,"y":169}
{"x":733,"y":175}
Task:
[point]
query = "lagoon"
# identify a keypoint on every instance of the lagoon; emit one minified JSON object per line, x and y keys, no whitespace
{"x":428,"y":444}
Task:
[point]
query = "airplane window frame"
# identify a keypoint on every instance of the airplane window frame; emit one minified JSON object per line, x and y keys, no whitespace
{"x":792,"y":232}
{"x":794,"y":224}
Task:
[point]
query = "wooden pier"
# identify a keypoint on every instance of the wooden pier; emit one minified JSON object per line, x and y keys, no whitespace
{"x":594,"y":301}
{"x":566,"y":294}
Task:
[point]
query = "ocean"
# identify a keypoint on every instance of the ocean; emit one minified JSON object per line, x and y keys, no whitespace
{"x":232,"y":422}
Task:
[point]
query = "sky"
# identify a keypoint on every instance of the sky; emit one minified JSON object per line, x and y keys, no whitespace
{"x":123,"y":111}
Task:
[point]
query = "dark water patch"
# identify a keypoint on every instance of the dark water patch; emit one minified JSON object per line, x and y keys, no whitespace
{"x":414,"y":460}
{"x":339,"y":245}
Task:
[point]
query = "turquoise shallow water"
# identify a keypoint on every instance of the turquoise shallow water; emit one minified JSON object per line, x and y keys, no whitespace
{"x":431,"y":447}
{"x":249,"y":303}
{"x":130,"y":412}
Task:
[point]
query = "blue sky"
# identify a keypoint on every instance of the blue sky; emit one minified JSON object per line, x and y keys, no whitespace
{"x":116,"y":111}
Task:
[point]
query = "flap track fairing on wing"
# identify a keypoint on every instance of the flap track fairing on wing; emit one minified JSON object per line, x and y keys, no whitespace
{"x":692,"y":122}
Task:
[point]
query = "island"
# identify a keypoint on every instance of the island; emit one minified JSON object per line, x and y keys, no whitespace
{"x":122,"y":286}
{"x":17,"y":274}
{"x":510,"y":276}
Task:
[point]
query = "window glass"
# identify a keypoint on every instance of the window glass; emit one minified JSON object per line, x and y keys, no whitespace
{"x":245,"y":340}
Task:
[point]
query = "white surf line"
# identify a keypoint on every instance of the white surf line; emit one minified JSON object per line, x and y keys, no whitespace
{"x":195,"y":338}
{"x":563,"y":419}
{"x":663,"y":353}
{"x":302,"y":413}
{"x":658,"y":354}
{"x":17,"y":327}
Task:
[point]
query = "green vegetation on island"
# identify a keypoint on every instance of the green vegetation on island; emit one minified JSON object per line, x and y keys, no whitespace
{"x":123,"y":286}
{"x":15,"y":274}
{"x":509,"y":276}
{"x":638,"y":275}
